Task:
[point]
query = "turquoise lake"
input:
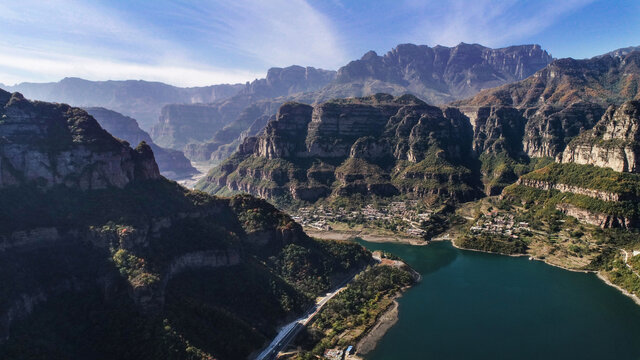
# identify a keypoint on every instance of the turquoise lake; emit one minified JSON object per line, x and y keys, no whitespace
{"x":472,"y":305}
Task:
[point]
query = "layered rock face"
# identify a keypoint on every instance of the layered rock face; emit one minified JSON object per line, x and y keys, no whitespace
{"x":374,"y":145}
{"x":172,"y":163}
{"x":564,"y":99}
{"x":614,"y":142}
{"x":557,"y":103}
{"x":549,"y":128}
{"x":50,"y":144}
{"x":141,"y":100}
{"x":439,"y":74}
{"x":287,"y":81}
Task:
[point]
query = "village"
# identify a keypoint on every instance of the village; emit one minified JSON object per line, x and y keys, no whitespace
{"x":497,"y":223}
{"x":405,"y":217}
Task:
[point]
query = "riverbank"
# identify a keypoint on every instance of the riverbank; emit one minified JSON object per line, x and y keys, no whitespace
{"x":531,"y":257}
{"x":385,"y":322}
{"x":370,"y":236}
{"x":378,"y":238}
{"x":634,"y":297}
{"x":361,"y":314}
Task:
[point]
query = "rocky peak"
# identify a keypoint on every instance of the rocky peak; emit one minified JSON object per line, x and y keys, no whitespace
{"x":600,"y":80}
{"x":284,"y":135}
{"x":353,"y":145}
{"x":622,"y":52}
{"x":54,"y":144}
{"x":289,"y":80}
{"x":458,"y":71}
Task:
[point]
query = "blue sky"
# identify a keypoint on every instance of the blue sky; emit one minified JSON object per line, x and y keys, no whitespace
{"x":192,"y":43}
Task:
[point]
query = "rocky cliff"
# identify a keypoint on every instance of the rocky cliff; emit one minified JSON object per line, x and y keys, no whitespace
{"x":554,"y":105}
{"x":438,"y":75}
{"x":50,"y":144}
{"x":376,"y":145}
{"x":172,"y":163}
{"x":601,"y":80}
{"x":95,"y":241}
{"x":139,"y":99}
{"x":613,"y":142}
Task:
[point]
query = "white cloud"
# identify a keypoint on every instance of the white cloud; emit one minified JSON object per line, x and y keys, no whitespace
{"x":43,"y":67}
{"x":276,"y":32}
{"x":488,"y":22}
{"x":47,"y":40}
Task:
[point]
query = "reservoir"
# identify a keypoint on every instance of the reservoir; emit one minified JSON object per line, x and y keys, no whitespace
{"x":472,"y":305}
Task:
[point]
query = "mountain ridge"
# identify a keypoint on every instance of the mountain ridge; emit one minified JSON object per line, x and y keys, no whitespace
{"x":429,"y":73}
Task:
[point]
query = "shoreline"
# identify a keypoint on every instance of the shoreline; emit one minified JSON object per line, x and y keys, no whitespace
{"x":533,"y":258}
{"x":633,"y":297}
{"x":366,"y":236}
{"x":337,"y":235}
{"x":385,"y":321}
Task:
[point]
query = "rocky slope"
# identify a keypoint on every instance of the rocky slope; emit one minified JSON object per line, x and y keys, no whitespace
{"x":48,"y":145}
{"x":94,"y":241}
{"x":554,"y":105}
{"x":601,"y":80}
{"x":437,"y":75}
{"x":139,"y":99}
{"x":614,"y":142}
{"x":377,"y":145}
{"x":591,"y":180}
{"x":172,"y":163}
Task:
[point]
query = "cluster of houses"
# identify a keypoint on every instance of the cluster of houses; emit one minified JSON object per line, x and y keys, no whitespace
{"x":338,"y":354}
{"x":499,"y":224}
{"x":407,"y":212}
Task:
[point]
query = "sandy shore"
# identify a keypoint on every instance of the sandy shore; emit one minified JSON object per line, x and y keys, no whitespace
{"x":366,"y":236}
{"x":383,"y":324}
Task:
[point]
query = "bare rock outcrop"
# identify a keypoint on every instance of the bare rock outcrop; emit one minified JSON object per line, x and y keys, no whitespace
{"x":614,"y":142}
{"x":55,"y":144}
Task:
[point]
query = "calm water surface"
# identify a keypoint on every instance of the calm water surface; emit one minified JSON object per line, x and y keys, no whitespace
{"x":473,"y":305}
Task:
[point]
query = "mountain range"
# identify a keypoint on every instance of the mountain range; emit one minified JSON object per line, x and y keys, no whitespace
{"x":207,"y":123}
{"x":385,"y":146}
{"x":141,"y":100}
{"x":436,"y":75}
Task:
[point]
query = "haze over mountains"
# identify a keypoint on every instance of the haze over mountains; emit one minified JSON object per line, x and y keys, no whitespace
{"x":139,"y":99}
{"x":172,"y":163}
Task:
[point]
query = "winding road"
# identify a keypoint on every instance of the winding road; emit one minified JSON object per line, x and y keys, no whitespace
{"x":288,"y":332}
